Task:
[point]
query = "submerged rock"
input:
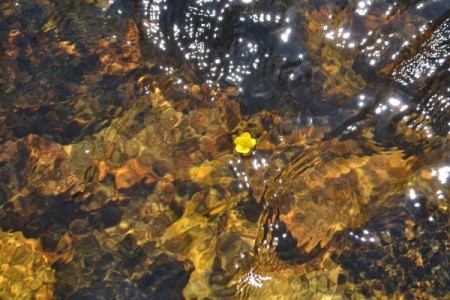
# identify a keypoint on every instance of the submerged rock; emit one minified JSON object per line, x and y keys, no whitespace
{"x":25,"y":272}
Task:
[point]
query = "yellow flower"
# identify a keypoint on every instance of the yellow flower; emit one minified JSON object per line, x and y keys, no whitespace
{"x":244,"y":143}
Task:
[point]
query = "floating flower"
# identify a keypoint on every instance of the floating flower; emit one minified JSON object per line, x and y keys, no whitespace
{"x":244,"y":143}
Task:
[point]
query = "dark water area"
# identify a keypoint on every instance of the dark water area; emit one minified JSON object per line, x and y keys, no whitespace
{"x":224,"y":149}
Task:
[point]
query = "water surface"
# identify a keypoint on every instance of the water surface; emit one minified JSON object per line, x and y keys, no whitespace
{"x":120,"y":176}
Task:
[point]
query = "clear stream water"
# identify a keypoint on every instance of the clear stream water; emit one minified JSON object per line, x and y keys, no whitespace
{"x":119,"y":176}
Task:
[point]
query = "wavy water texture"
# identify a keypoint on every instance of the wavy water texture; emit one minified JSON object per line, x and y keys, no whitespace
{"x":119,"y":177}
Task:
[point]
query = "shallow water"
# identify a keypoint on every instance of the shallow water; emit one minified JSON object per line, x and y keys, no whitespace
{"x":120,"y":177}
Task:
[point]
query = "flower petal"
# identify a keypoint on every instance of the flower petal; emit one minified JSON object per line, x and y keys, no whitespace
{"x":246,"y":135}
{"x":241,"y":149}
{"x":244,"y":143}
{"x":246,"y":150}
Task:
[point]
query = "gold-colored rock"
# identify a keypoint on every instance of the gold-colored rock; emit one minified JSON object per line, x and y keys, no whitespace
{"x":116,"y":69}
{"x":69,"y":48}
{"x":265,"y":144}
{"x":14,"y":33}
{"x":25,"y":272}
{"x":132,"y":173}
{"x":195,"y":91}
{"x":170,"y":119}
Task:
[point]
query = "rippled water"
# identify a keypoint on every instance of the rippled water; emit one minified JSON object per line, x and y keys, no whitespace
{"x":120,"y":177}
